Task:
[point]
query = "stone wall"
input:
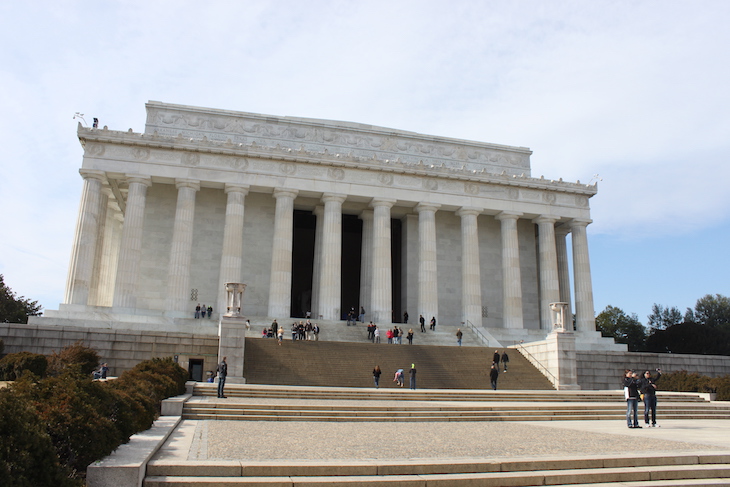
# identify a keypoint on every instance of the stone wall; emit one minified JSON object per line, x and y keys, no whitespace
{"x":121,"y":349}
{"x":604,"y":370}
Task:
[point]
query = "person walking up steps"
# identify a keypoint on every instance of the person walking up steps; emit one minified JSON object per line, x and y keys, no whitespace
{"x":505,"y":360}
{"x":459,"y":334}
{"x":376,"y":376}
{"x":493,"y":376}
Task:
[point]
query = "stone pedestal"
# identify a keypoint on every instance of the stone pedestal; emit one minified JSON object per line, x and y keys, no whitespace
{"x":562,"y":360}
{"x":232,"y":333}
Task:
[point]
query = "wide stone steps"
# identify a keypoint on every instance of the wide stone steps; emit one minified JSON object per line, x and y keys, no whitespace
{"x":257,"y":403}
{"x":624,"y":470}
{"x":350,"y":364}
{"x":405,"y":394}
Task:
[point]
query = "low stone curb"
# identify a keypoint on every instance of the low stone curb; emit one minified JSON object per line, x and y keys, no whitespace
{"x":126,"y":466}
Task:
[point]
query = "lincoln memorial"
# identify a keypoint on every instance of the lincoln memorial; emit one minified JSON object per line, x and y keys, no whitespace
{"x":323,"y":217}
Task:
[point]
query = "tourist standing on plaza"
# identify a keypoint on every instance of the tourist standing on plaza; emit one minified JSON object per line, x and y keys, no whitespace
{"x":405,"y":317}
{"x":210,"y":311}
{"x":422,"y":321}
{"x":202,"y":311}
{"x":362,"y":314}
{"x":410,"y":336}
{"x":280,"y":335}
{"x":459,"y":334}
{"x":396,"y":335}
{"x":505,"y":360}
{"x":376,"y":376}
{"x":432,"y":325}
{"x":197,"y":311}
{"x":222,"y":373}
{"x":493,"y":376}
{"x":631,"y":393}
{"x":647,"y":386}
{"x":376,"y":334}
{"x":412,"y":377}
{"x":294,"y":331}
{"x":389,"y":335}
{"x":315,"y":330}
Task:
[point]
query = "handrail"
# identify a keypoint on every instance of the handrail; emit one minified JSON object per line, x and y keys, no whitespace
{"x":537,"y":363}
{"x":477,"y":332}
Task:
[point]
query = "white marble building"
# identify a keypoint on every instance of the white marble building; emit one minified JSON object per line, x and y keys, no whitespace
{"x":320,"y":216}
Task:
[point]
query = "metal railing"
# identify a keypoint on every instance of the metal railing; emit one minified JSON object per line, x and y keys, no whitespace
{"x":477,"y":333}
{"x":537,"y":364}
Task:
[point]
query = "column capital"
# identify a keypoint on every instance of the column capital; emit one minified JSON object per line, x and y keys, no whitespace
{"x":580,"y":222}
{"x":508,"y":215}
{"x":382,"y":202}
{"x":545,"y":219}
{"x":236,"y":188}
{"x":427,"y":207}
{"x":318,"y":210}
{"x":283,"y":193}
{"x":469,"y":210}
{"x":333,"y":197}
{"x":366,"y":215}
{"x":93,"y":174}
{"x":137,"y":178}
{"x":562,"y":230}
{"x":187,"y":183}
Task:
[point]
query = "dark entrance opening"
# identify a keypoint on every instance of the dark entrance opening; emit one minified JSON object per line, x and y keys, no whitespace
{"x":305,"y":225}
{"x":351,"y":254}
{"x":396,"y":227}
{"x":195,"y":369}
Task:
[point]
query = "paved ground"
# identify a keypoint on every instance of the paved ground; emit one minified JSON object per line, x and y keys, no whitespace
{"x":269,"y":440}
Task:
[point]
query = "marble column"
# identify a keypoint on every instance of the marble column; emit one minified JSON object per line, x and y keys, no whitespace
{"x":428,"y":299}
{"x":471,"y":280}
{"x":130,"y":249}
{"x":97,"y":274}
{"x":85,"y":240}
{"x":561,"y":247}
{"x":584,"y":311}
{"x":548,"y":260}
{"x":381,"y":299}
{"x":178,"y":270}
{"x":317,"y":264}
{"x":366,"y":263}
{"x":231,"y":269}
{"x":281,"y":255}
{"x":110,"y":255}
{"x":330,"y":277}
{"x":511,"y":273}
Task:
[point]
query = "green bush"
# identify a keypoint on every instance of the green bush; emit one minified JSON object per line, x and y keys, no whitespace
{"x":77,"y":355}
{"x":27,"y":455}
{"x":85,"y":420}
{"x":13,"y":365}
{"x":683,"y":381}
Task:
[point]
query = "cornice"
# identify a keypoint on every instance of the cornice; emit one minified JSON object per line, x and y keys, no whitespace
{"x":325,"y":158}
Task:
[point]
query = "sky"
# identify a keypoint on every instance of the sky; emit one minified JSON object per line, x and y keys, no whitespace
{"x":635,"y":92}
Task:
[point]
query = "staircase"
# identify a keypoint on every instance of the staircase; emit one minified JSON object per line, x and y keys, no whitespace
{"x":256,"y":403}
{"x":350,"y":364}
{"x":710,"y":469}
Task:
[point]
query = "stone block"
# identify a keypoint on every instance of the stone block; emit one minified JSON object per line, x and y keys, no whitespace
{"x":126,"y":465}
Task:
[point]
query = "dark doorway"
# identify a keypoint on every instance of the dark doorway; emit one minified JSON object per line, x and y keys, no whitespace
{"x":396,"y":227}
{"x":351,"y":254}
{"x":305,"y":225}
{"x":195,"y":369}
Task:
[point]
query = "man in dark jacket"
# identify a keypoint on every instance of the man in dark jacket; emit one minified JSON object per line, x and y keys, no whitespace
{"x":222,"y":373}
{"x":505,"y":359}
{"x":647,"y":386}
{"x":631,"y":393}
{"x":493,"y":376}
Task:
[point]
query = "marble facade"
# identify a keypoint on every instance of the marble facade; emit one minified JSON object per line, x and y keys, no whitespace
{"x":205,"y":196}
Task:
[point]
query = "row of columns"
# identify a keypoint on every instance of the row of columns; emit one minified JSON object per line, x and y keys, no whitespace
{"x":376,"y":275}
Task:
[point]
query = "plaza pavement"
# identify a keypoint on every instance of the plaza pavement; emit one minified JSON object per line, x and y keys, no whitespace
{"x":209,"y":440}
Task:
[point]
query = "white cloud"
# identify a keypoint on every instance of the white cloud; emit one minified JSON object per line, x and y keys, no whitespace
{"x":635,"y":91}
